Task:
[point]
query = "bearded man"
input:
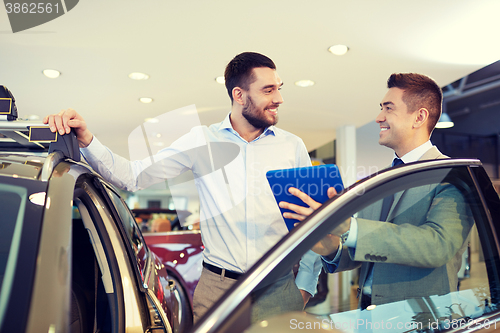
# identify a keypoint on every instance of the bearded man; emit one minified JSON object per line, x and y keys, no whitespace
{"x":239,"y":218}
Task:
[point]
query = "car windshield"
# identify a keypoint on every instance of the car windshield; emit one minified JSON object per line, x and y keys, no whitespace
{"x":430,"y":266}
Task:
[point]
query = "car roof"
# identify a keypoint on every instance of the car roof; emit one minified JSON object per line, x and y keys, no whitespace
{"x":20,"y":156}
{"x":14,"y":137}
{"x":21,"y":165}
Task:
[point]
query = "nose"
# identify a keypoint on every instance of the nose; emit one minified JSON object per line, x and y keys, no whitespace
{"x":277,"y":98}
{"x":380,"y":118}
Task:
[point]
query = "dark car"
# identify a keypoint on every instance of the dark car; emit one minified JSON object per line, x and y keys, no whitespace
{"x":72,"y":258}
{"x":474,"y":307}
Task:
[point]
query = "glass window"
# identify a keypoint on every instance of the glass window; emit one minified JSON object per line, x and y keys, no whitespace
{"x":21,"y":210}
{"x":12,"y":208}
{"x":134,"y":236}
{"x":429,"y":266}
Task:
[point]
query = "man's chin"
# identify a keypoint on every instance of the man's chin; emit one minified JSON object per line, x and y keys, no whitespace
{"x":383,"y":142}
{"x":274,"y":120}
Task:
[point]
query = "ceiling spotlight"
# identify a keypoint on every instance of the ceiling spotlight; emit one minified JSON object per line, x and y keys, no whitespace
{"x":32,"y":117}
{"x":444,"y":121}
{"x":304,"y":83}
{"x":51,"y":73}
{"x":338,"y":49}
{"x":37,"y":198}
{"x":152,"y":120}
{"x":146,"y":100}
{"x":220,"y":79}
{"x":138,"y":76}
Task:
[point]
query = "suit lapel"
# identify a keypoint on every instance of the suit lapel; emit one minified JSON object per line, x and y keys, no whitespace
{"x":432,"y":154}
{"x":397,"y":197}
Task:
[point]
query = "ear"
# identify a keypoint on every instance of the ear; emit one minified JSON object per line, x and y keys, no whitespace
{"x":238,"y":95}
{"x":421,"y":117}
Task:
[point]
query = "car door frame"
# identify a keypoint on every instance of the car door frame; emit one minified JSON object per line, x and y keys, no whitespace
{"x":312,"y":229}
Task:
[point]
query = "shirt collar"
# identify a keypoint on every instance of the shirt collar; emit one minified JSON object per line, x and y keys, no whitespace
{"x":416,"y":153}
{"x":226,"y":124}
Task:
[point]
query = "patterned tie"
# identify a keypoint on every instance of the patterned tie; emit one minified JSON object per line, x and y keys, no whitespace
{"x":387,"y":203}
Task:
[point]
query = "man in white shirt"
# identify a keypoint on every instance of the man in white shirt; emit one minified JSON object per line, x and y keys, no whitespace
{"x":239,"y":219}
{"x":417,"y":254}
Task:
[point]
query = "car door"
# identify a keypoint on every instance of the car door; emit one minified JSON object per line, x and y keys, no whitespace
{"x":431,"y":198}
{"x":110,"y":291}
{"x":149,"y":271}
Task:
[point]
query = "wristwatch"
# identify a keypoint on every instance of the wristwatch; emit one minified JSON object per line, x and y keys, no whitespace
{"x":344,"y":236}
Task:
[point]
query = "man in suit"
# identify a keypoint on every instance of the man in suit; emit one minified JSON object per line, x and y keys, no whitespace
{"x":418,"y":253}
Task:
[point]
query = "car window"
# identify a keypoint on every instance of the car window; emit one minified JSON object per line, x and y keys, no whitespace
{"x":132,"y":230}
{"x":12,"y":208}
{"x":21,"y":211}
{"x":430,"y":267}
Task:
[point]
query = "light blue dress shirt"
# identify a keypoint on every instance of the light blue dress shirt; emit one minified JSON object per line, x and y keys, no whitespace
{"x":239,"y":218}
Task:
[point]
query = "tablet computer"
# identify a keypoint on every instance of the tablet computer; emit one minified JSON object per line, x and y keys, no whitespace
{"x":314,"y":181}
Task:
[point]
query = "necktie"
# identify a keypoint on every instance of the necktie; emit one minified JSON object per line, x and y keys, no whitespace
{"x":397,"y":161}
{"x":387,"y":203}
{"x":386,"y":207}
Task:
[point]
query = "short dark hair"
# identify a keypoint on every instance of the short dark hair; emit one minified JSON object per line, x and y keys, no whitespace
{"x":419,"y":91}
{"x":239,"y":71}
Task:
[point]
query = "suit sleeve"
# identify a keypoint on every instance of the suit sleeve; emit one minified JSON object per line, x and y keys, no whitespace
{"x":429,"y":227}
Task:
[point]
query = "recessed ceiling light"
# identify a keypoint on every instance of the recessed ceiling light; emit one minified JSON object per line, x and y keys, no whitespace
{"x":151,"y":120}
{"x":220,"y":79}
{"x":444,"y":121}
{"x":138,"y":76}
{"x":37,"y":198}
{"x":51,"y":73}
{"x":146,"y":100}
{"x":304,"y":83}
{"x":338,"y":49}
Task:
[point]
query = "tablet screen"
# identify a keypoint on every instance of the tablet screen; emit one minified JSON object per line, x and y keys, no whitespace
{"x":314,"y":181}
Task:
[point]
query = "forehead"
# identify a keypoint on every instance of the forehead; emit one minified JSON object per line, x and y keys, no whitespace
{"x":394,"y":95}
{"x":265,"y":76}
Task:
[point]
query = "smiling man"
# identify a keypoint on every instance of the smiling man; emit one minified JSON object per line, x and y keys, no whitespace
{"x":416,"y":252}
{"x":410,"y":110}
{"x":239,"y":219}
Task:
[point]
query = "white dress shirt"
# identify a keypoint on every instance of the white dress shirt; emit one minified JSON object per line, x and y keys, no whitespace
{"x":239,"y":217}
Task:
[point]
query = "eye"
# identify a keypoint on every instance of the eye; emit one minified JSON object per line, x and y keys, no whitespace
{"x":268,"y":91}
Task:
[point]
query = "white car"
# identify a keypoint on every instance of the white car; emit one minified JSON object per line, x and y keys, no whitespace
{"x":473,"y":308}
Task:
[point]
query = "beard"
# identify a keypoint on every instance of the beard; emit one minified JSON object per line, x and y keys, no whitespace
{"x":257,"y":118}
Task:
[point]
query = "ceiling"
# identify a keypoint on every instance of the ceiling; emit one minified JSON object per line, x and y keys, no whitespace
{"x":185,"y":45}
